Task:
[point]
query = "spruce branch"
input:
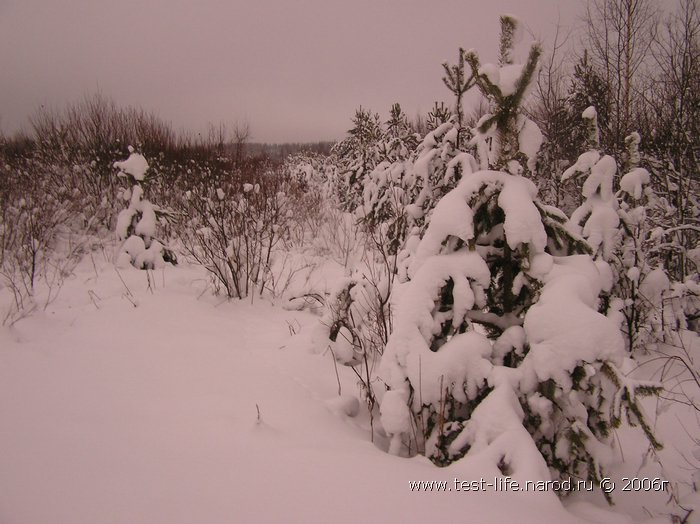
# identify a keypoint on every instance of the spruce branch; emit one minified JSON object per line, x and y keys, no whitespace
{"x":509,"y":26}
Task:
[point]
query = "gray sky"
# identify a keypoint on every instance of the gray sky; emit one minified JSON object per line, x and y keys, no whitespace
{"x":295,"y":69}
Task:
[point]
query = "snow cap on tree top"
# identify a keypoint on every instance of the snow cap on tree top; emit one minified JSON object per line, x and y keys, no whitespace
{"x":590,"y":117}
{"x":136,"y":165}
{"x":589,"y":113}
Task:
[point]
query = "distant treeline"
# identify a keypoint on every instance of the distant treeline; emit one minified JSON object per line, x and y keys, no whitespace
{"x":281,"y":151}
{"x":97,"y":127}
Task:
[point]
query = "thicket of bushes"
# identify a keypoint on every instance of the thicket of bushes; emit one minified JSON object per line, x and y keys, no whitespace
{"x":60,"y":196}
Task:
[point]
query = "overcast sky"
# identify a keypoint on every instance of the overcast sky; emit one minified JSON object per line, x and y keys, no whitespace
{"x":295,"y":69}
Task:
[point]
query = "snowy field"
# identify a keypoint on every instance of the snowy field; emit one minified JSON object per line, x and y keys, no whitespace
{"x":113,"y":413}
{"x":197,"y":337}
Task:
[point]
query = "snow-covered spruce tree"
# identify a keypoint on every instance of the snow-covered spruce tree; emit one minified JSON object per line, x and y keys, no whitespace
{"x":386,"y":187}
{"x":385,"y":197}
{"x":439,"y":114}
{"x":437,"y":168}
{"x":399,"y":193}
{"x":399,"y":140}
{"x":498,"y":347}
{"x":358,"y":319}
{"x":421,"y":174}
{"x":398,"y":196}
{"x":357,"y":155}
{"x":136,"y":225}
{"x":403,"y":188}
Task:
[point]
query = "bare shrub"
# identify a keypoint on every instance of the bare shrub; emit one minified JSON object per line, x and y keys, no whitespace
{"x":233,"y":228}
{"x":39,"y":240}
{"x":339,"y":237}
{"x":95,"y":126}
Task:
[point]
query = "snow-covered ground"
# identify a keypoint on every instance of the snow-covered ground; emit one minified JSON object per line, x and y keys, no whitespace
{"x":186,"y":408}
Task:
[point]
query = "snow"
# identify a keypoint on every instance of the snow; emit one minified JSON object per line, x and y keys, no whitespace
{"x":633,"y":182}
{"x":523,"y":224}
{"x":633,"y":274}
{"x":136,"y":165}
{"x":584,"y":164}
{"x":530,"y":140}
{"x":147,"y":224}
{"x":589,"y":113}
{"x":344,"y":405}
{"x":540,"y":265}
{"x":133,"y":246}
{"x":136,"y":193}
{"x":508,"y":78}
{"x":505,"y":78}
{"x":512,"y":338}
{"x":492,"y":72}
{"x":124,"y":221}
{"x":654,"y":285}
{"x":495,"y":429}
{"x":151,"y":258}
{"x":453,"y":217}
{"x":421,"y":166}
{"x":185,"y":409}
{"x":564,"y":326}
{"x":396,"y":417}
{"x":597,"y":219}
{"x":601,"y":228}
{"x":416,"y":306}
{"x":466,"y":163}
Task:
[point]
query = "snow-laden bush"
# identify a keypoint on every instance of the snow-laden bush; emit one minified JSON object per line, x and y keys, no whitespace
{"x":137,"y":223}
{"x":626,"y":228}
{"x":355,"y":326}
{"x":312,"y":176}
{"x":42,"y":236}
{"x":653,"y":307}
{"x":235,"y":229}
{"x":386,"y":190}
{"x":621,"y":227}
